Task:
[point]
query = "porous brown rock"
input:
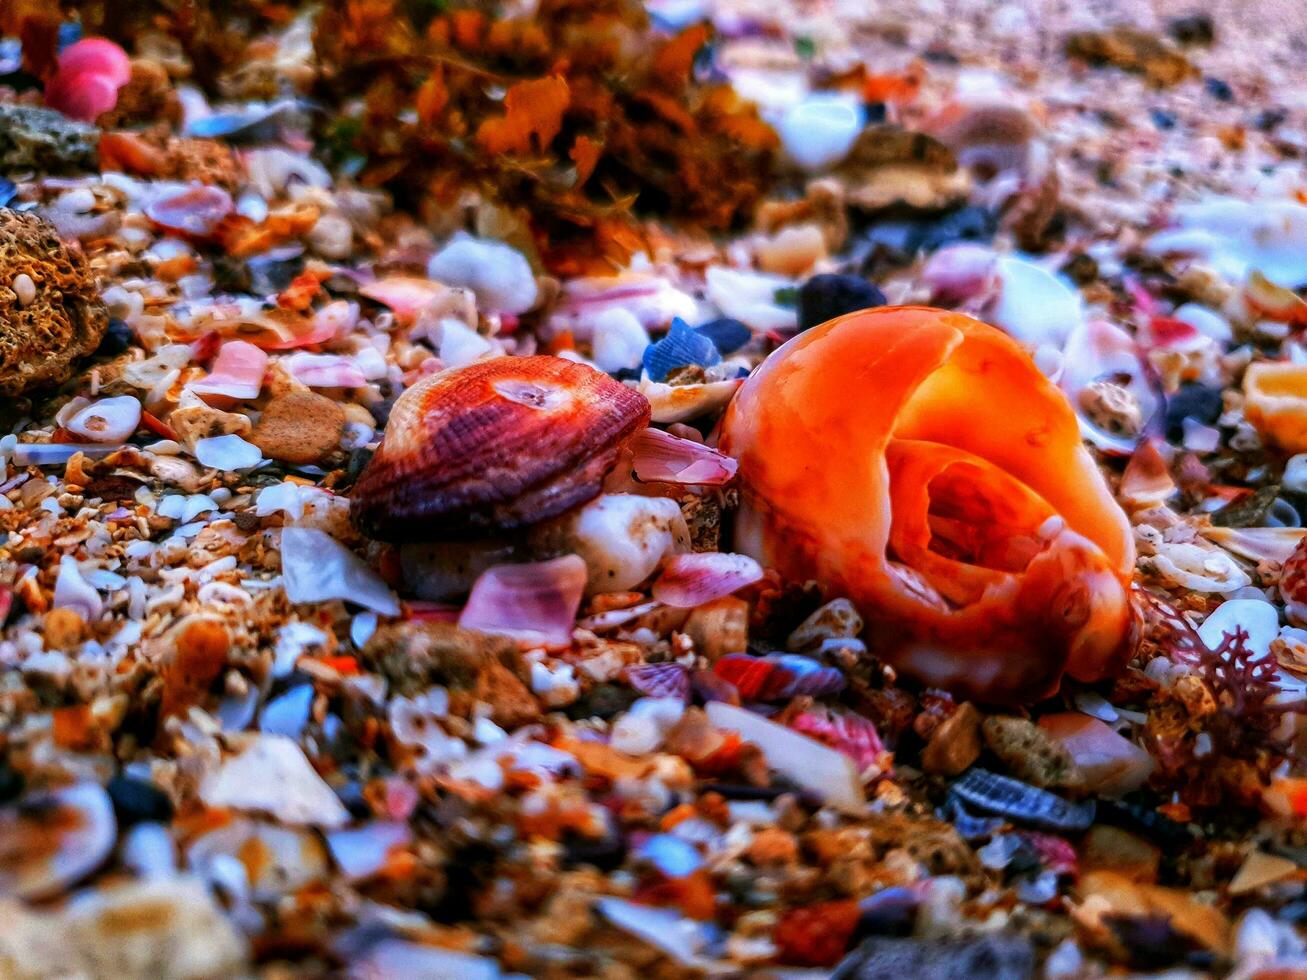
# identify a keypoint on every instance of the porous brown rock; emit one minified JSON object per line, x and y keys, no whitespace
{"x":50,"y":310}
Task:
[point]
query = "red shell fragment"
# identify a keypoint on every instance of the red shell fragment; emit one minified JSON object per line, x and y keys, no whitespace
{"x":497,"y":445}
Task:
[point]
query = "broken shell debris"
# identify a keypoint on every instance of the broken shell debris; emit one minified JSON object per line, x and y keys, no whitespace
{"x":742,"y":490}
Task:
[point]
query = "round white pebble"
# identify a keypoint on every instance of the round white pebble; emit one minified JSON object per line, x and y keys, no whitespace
{"x":821,"y":129}
{"x":498,"y":274}
{"x":24,"y":288}
{"x":619,"y":340}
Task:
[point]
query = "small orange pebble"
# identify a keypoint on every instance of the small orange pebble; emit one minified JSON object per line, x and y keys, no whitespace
{"x":1179,"y":812}
{"x":771,"y":845}
{"x":64,"y":629}
{"x":676,"y":815}
{"x":917,"y":462}
{"x":74,"y":729}
{"x":199,"y":657}
{"x":303,"y":289}
{"x":170,"y":270}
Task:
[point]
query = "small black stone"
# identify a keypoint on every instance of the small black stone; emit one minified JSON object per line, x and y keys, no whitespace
{"x":602,"y":701}
{"x":1082,"y":269}
{"x":1218,"y":89}
{"x":1192,"y":29}
{"x":11,"y":783}
{"x":827,"y":296}
{"x":1269,"y":119}
{"x":358,"y":458}
{"x":136,"y":801}
{"x":117,"y":338}
{"x":727,"y":335}
{"x":1193,"y":401}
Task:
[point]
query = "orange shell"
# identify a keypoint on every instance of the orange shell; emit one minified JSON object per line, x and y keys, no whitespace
{"x":497,"y":445}
{"x":917,"y":462}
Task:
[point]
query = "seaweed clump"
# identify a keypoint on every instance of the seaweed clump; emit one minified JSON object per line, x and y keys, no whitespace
{"x":570,"y":121}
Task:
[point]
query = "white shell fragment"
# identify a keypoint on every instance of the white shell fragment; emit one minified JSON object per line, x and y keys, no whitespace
{"x":1236,"y":237}
{"x":272,"y":775}
{"x":825,"y":772}
{"x":317,"y":568}
{"x":498,"y":274}
{"x":619,"y":340}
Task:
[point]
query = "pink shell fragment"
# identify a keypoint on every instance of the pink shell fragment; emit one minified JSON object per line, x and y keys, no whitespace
{"x":407,"y":296}
{"x":851,"y":734}
{"x":325,"y":371}
{"x":691,"y":580}
{"x":1108,"y":762}
{"x":534,"y":603}
{"x":190,"y":210}
{"x":663,"y":457}
{"x":237,"y":372}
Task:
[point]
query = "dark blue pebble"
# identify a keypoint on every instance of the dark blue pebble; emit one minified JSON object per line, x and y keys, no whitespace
{"x":136,"y":801}
{"x":8,"y":191}
{"x":827,"y":296}
{"x":1192,"y":401}
{"x":1219,"y":89}
{"x":1162,"y":119}
{"x":727,"y":335}
{"x":968,"y":224}
{"x":117,"y":338}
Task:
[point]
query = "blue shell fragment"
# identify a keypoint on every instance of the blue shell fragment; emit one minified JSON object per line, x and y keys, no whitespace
{"x":253,"y":123}
{"x":727,"y":335}
{"x":1022,"y":802}
{"x":8,"y":191}
{"x":681,"y":347}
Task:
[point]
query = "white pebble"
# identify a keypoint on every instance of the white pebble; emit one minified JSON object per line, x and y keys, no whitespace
{"x":636,"y":734}
{"x":228,"y":452}
{"x":460,"y":345}
{"x":1259,"y":619}
{"x":1295,"y":474}
{"x":821,"y":129}
{"x":24,"y":288}
{"x":77,"y":201}
{"x":619,"y":340}
{"x":332,"y":236}
{"x":621,"y":537}
{"x":498,"y":274}
{"x":1206,"y":321}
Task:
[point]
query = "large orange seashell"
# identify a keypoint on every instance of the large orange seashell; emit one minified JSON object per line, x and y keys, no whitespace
{"x":917,"y":462}
{"x":497,"y":445}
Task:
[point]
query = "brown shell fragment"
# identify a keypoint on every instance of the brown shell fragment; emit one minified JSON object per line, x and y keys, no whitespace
{"x":50,"y":311}
{"x":496,"y":445}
